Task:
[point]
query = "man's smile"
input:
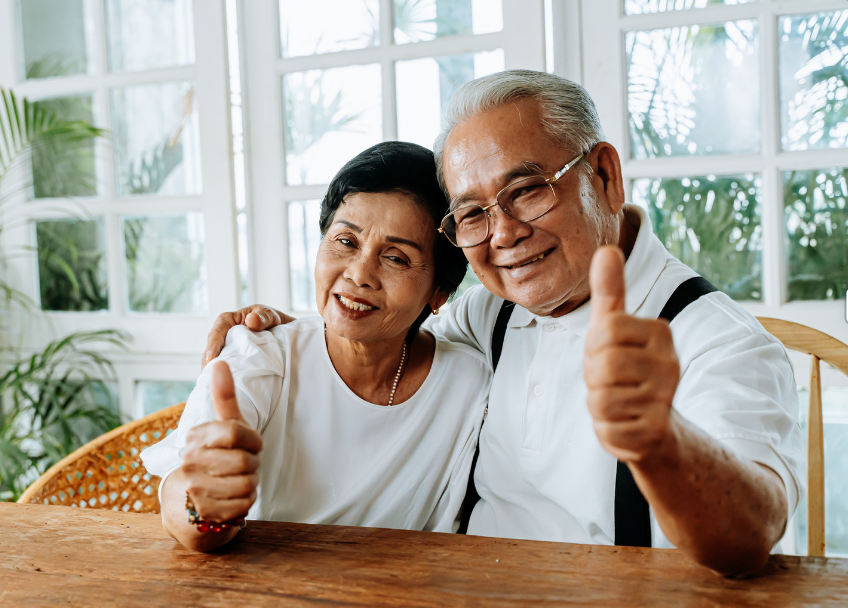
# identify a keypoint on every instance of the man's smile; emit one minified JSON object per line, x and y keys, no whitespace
{"x":527,"y":261}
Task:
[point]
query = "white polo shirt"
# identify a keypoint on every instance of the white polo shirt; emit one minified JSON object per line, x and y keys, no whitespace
{"x":542,"y":473}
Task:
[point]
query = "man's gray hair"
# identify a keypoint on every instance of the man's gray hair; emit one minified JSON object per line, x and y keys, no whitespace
{"x":569,"y":115}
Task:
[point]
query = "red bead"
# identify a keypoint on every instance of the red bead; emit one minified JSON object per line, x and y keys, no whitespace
{"x":203,"y":526}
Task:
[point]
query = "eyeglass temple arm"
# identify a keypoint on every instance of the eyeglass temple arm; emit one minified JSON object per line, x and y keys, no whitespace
{"x":562,"y":171}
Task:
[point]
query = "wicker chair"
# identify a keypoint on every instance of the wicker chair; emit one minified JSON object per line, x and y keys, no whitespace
{"x":107,"y":473}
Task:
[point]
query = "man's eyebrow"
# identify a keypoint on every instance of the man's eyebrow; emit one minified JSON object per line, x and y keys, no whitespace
{"x":390,"y":239}
{"x":525,"y":169}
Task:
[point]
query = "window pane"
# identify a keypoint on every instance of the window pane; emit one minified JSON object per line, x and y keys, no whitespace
{"x":817,"y":233}
{"x":814,"y":81}
{"x":638,"y":7}
{"x":424,"y":87}
{"x":711,"y":224}
{"x":59,"y":167}
{"x":304,"y":239}
{"x":326,"y":26}
{"x":469,"y":281}
{"x":835,"y":418}
{"x":149,"y":34}
{"x":56,"y":37}
{"x":164,"y":263}
{"x":156,"y":141}
{"x":157,"y":395}
{"x":72,"y":265}
{"x":330,"y":117}
{"x":694,"y":90}
{"x":417,"y":20}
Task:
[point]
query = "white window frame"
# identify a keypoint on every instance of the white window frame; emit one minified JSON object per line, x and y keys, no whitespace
{"x":165,"y":346}
{"x":605,"y":77}
{"x":523,"y":43}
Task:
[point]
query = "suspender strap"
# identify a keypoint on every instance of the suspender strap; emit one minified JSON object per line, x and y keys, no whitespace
{"x":632,"y":514}
{"x":498,"y":335}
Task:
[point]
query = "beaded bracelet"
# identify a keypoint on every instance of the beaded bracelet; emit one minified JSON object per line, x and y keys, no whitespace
{"x":209,"y":526}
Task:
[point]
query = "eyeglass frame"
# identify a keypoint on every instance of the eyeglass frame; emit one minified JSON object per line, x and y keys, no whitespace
{"x":549,"y":181}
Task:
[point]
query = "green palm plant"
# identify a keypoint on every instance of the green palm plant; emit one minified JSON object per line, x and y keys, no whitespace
{"x":51,"y":401}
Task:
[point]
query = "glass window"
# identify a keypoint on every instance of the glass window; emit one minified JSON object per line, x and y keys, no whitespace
{"x":816,"y":214}
{"x":694,"y":90}
{"x":156,"y":395}
{"x":418,"y":20}
{"x":711,"y":224}
{"x":330,"y":117}
{"x":835,"y":418}
{"x":61,"y":167}
{"x":149,"y":34}
{"x":57,"y":37}
{"x":72,"y":265}
{"x":164,"y":263}
{"x":638,"y":7}
{"x":327,"y":26}
{"x":424,"y":87}
{"x":156,"y":139}
{"x":814,"y":81}
{"x":304,"y":239}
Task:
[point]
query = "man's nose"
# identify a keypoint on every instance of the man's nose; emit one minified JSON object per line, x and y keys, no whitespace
{"x":506,"y":232}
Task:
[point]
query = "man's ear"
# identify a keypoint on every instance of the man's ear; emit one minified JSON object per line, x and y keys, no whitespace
{"x":438,"y":299}
{"x":607,"y":166}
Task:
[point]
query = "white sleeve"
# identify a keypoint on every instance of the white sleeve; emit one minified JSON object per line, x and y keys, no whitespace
{"x":469,"y":320}
{"x":740,"y":389}
{"x":257,"y":363}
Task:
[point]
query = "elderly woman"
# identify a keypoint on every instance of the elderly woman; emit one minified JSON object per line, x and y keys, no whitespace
{"x":353,"y":417}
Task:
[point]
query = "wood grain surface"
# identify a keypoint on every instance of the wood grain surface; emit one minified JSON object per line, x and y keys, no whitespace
{"x":75,"y":557}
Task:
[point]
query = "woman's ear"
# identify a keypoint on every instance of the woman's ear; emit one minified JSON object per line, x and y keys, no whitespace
{"x":438,"y":299}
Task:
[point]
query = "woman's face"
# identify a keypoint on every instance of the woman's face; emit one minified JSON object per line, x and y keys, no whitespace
{"x":375,"y":273}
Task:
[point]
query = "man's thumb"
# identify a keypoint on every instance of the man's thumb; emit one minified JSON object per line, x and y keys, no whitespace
{"x":606,"y":281}
{"x":224,"y":393}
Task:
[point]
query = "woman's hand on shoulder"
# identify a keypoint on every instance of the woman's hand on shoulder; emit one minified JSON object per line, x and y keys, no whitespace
{"x":255,"y":318}
{"x":221,"y":458}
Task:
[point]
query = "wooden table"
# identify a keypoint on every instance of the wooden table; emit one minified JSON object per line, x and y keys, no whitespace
{"x":75,"y":557}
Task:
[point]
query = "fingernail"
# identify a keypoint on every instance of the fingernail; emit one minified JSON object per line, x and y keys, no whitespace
{"x":206,"y":356}
{"x":261,"y":316}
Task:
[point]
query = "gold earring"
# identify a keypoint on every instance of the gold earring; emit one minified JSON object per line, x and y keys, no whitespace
{"x":436,"y":311}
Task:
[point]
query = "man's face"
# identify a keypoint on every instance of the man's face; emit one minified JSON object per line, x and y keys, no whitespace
{"x":481,"y":156}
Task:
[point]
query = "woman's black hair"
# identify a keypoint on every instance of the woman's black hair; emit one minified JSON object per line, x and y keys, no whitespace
{"x":396,"y":166}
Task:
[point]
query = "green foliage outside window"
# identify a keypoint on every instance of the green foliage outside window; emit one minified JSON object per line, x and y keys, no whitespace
{"x":816,"y":213}
{"x":711,"y":224}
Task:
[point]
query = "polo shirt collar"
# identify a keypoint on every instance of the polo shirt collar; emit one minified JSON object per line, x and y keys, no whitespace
{"x":641,"y":271}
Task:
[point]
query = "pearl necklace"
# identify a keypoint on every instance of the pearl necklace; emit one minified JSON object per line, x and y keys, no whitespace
{"x":397,"y":375}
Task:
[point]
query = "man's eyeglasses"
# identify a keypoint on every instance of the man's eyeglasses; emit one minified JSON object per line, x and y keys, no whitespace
{"x":525,"y":200}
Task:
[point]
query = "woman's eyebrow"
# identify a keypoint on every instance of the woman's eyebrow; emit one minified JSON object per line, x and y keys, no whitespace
{"x":390,"y":239}
{"x":397,"y":239}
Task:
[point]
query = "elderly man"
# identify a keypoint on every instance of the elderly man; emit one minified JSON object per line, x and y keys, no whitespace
{"x":592,"y":394}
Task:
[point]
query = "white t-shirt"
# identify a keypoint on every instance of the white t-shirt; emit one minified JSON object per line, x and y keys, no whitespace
{"x":330,"y":457}
{"x":542,"y":473}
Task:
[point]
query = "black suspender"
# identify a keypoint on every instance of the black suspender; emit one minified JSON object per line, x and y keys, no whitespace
{"x":498,"y":335}
{"x":632,"y":514}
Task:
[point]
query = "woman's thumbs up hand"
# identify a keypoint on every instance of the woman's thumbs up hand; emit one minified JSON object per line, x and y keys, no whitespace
{"x":221,"y":458}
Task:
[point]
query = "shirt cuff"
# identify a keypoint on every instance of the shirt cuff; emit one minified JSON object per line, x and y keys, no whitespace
{"x":764,"y":454}
{"x":162,"y":482}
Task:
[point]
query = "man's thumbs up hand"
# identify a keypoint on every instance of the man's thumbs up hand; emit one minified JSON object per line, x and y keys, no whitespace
{"x":630,"y":367}
{"x":221,"y":457}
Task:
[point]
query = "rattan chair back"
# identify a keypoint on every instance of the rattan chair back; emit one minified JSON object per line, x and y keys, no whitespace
{"x":107,"y":473}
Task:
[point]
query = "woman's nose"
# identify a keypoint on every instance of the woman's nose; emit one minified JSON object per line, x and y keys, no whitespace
{"x":362,"y":271}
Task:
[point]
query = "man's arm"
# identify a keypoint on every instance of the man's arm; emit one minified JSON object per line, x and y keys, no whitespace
{"x":725,"y":511}
{"x":256,"y":318}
